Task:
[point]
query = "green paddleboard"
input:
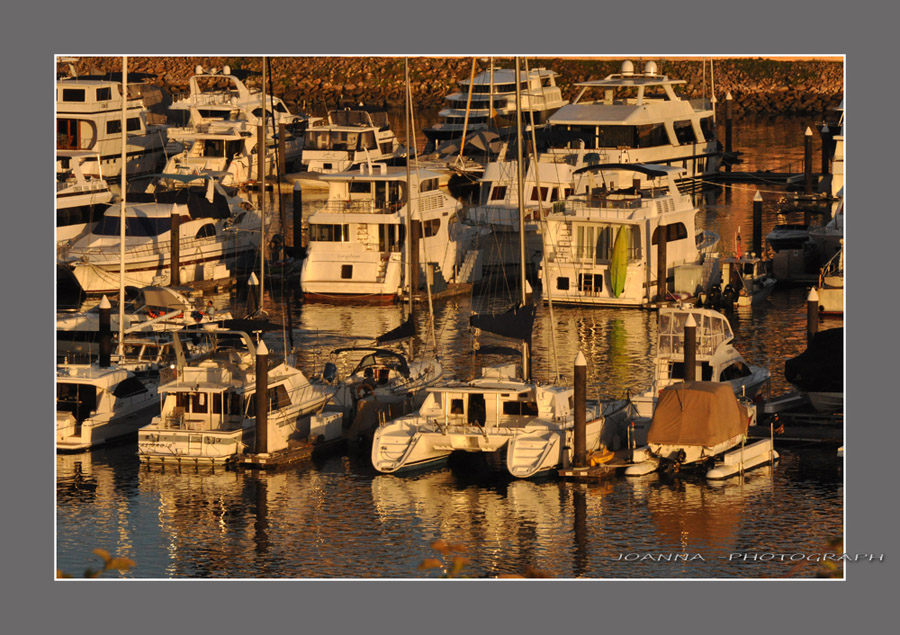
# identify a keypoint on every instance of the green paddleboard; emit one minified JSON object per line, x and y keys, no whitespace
{"x":618,"y":267}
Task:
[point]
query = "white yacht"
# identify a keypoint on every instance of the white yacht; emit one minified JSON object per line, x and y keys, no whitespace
{"x":222,"y":95}
{"x":208,"y":410}
{"x":636,"y":118}
{"x":216,"y":231}
{"x":491,"y":100}
{"x":347,"y":139}
{"x":498,"y":208}
{"x":357,"y":239}
{"x":228,"y":150}
{"x":89,"y":117}
{"x":601,"y":244}
{"x":717,"y":358}
{"x":80,"y":199}
{"x":96,"y":405}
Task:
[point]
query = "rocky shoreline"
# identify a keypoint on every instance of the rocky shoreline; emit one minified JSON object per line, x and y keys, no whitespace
{"x":312,"y":85}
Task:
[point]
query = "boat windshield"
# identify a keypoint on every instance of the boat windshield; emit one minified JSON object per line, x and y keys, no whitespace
{"x":712,"y":331}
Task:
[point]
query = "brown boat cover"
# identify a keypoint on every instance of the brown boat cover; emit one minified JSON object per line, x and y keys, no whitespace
{"x":697,"y":413}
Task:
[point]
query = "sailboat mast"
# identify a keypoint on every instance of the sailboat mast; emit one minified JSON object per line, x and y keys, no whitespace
{"x":409,"y":241}
{"x":521,"y":204}
{"x":261,"y":157}
{"x":120,"y":348}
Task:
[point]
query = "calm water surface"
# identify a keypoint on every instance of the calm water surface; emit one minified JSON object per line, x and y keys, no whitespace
{"x":339,"y":518}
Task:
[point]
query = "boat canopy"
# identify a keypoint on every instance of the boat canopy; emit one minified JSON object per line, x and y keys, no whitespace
{"x":820,"y":368}
{"x":374,"y":354}
{"x":653,"y":171}
{"x":696,"y":413}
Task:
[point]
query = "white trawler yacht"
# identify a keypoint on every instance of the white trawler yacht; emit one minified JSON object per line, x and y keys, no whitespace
{"x":717,"y":359}
{"x":216,"y":230}
{"x":89,"y":117}
{"x":347,"y":139}
{"x":490,"y":99}
{"x":601,"y":244}
{"x":636,"y":118}
{"x":80,"y":199}
{"x":208,"y":410}
{"x":357,"y":239}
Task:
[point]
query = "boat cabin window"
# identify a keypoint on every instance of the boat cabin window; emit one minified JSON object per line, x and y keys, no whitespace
{"x":346,"y":272}
{"x":456,"y":406}
{"x":69,"y":137}
{"x":114,"y":126}
{"x":674,"y":231}
{"x":590,"y":282}
{"x":386,"y":147}
{"x":360,"y":187}
{"x":367,"y":141}
{"x":676,"y":371}
{"x":429,"y":228}
{"x":207,"y":231}
{"x":104,"y":94}
{"x":595,"y":242}
{"x":428,"y":185}
{"x":73,"y":94}
{"x":498,"y":193}
{"x":684,"y":132}
{"x":477,"y":411}
{"x":736,"y":370}
{"x":329,"y":233}
{"x":79,"y":399}
{"x":708,"y":128}
{"x":652,"y":135}
{"x":543,"y":195}
{"x":520,"y":408}
{"x":278,"y":398}
{"x":562,"y":283}
{"x":129,"y":387}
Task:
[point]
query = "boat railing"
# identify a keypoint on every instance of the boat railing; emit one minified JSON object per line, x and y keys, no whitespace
{"x":620,"y":208}
{"x":358,"y":207}
{"x":154,"y":249}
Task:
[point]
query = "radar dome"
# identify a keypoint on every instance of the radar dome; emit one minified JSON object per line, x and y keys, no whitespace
{"x":198,"y":70}
{"x":627,"y":68}
{"x":226,"y":69}
{"x":650,"y":68}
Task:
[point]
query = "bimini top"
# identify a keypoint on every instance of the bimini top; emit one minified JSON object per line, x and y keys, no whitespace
{"x":696,"y":413}
{"x":399,"y":360}
{"x":654,"y":171}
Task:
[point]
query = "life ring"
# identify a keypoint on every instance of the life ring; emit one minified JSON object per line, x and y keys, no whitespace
{"x":153,"y":314}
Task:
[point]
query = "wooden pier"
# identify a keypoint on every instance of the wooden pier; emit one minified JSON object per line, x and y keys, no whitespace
{"x":296,"y":452}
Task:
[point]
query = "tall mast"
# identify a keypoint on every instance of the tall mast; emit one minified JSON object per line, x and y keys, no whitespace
{"x":261,"y":157}
{"x":409,"y":245}
{"x":521,"y":197}
{"x":120,"y":348}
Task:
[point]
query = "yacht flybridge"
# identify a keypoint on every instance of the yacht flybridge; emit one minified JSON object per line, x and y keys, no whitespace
{"x":636,"y":118}
{"x":357,"y":239}
{"x":601,"y":244}
{"x":716,"y":357}
{"x":89,"y":117}
{"x":490,"y":98}
{"x":349,"y":138}
{"x":221,"y":95}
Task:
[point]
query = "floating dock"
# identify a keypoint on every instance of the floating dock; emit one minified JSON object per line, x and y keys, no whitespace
{"x":296,"y":452}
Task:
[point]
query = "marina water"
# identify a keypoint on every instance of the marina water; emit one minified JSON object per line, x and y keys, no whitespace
{"x":339,"y":518}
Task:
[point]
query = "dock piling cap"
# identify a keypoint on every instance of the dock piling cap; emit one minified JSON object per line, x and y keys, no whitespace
{"x":813,"y":296}
{"x":253,"y":280}
{"x":728,"y":96}
{"x":690,"y":322}
{"x":262,"y":349}
{"x":104,"y":303}
{"x":757,"y":197}
{"x":579,"y":359}
{"x":808,"y":132}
